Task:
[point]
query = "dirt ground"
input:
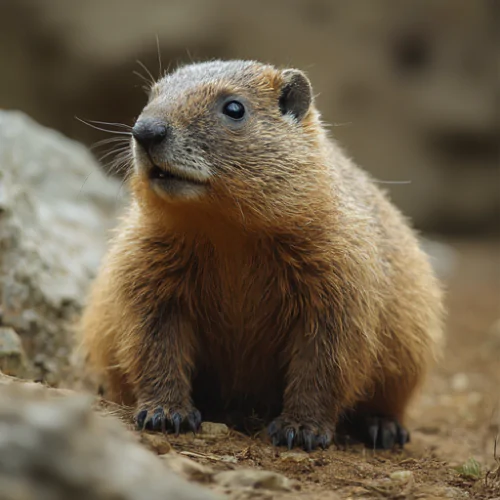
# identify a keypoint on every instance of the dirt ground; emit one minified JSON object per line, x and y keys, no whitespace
{"x":453,"y":424}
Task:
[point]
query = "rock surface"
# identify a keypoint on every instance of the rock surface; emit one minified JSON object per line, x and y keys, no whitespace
{"x":56,"y":448}
{"x":12,"y":356}
{"x":56,"y":207}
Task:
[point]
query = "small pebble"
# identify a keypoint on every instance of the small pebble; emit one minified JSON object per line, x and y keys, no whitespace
{"x":156,"y":442}
{"x":294,"y":456}
{"x":214,"y":429}
{"x":402,"y":475}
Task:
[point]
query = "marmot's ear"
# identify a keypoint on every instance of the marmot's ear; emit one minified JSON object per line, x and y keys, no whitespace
{"x":296,"y":93}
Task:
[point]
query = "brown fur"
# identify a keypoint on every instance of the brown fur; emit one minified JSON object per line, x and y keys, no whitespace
{"x":292,"y":285}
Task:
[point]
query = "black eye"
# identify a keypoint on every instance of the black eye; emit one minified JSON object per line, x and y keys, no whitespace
{"x":234,"y":110}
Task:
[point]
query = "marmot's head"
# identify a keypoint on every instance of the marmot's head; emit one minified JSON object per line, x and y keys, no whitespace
{"x":227,"y":135}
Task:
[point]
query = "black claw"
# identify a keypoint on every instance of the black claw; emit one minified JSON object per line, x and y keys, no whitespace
{"x":197,"y":419}
{"x":176,"y":422}
{"x":387,"y":436}
{"x":290,"y":435}
{"x":373,"y":434}
{"x":323,"y":442}
{"x":308,"y":441}
{"x":193,"y":422}
{"x":403,"y":436}
{"x":272,"y":429}
{"x":284,"y":432}
{"x":158,"y":420}
{"x":140,"y":419}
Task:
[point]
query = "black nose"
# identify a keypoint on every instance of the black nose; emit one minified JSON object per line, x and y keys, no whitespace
{"x":149,"y":132}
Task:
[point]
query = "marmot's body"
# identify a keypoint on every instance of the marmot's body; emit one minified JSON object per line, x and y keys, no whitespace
{"x":258,"y":269}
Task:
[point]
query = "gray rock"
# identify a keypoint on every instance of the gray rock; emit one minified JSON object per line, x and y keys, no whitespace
{"x":12,"y":356}
{"x":55,"y":448}
{"x":56,"y":208}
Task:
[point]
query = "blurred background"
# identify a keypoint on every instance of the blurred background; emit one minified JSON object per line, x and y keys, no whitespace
{"x":411,"y":86}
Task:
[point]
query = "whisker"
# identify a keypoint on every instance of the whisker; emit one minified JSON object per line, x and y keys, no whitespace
{"x":391,"y":182}
{"x":144,"y":79}
{"x":83,"y":184}
{"x":102,"y":129}
{"x":121,"y":163}
{"x":110,"y":153}
{"x":159,"y":56}
{"x":142,"y":65}
{"x":121,"y":154}
{"x":111,"y":140}
{"x":332,"y":125}
{"x":121,"y":125}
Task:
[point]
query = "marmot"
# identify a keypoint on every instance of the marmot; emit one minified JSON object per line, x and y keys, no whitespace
{"x":259,"y":270}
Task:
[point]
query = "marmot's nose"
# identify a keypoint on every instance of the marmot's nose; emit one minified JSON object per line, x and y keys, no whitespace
{"x":149,"y":132}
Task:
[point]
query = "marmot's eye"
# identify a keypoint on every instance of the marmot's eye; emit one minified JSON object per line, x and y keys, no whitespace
{"x":234,"y":109}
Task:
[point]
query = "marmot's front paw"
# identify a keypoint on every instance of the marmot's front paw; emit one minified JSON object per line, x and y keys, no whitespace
{"x":174,"y":419}
{"x":292,"y":432}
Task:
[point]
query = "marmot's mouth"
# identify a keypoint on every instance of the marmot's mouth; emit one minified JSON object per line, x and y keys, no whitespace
{"x":160,"y":174}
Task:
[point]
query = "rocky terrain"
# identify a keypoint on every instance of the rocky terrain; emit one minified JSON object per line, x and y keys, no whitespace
{"x":57,"y":442}
{"x":55,"y":210}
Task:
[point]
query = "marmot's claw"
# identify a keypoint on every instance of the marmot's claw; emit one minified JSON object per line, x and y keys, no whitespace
{"x":388,"y":434}
{"x":375,"y":431}
{"x":174,"y":420}
{"x":290,"y":434}
{"x":140,"y":419}
{"x":309,"y":440}
{"x":403,"y":436}
{"x":324,"y":442}
{"x":194,"y":420}
{"x":384,"y":433}
{"x":287,"y":432}
{"x":158,"y":420}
